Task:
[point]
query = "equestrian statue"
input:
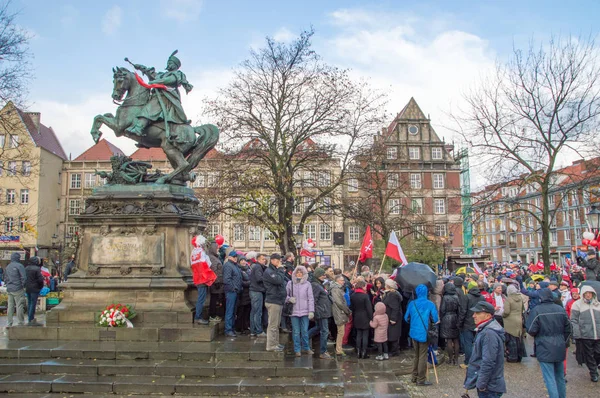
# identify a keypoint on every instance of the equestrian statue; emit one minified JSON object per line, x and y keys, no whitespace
{"x":151,"y":114}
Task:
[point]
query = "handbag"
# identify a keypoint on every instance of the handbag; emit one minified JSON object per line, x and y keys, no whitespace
{"x":432,"y":332}
{"x":288,"y":308}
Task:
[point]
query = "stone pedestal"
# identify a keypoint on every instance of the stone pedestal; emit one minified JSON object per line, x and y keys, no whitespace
{"x":134,"y":248}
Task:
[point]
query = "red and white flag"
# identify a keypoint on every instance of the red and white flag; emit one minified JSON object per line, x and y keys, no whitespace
{"x":394,"y":250}
{"x":366,"y":250}
{"x":307,"y":248}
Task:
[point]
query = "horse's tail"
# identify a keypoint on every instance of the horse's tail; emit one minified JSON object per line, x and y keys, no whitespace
{"x":207,"y":136}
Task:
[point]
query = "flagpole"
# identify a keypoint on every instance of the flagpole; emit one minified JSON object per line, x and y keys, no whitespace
{"x":382,"y":261}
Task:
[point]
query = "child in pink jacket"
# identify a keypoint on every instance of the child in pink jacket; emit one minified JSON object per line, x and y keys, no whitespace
{"x":380,"y":325}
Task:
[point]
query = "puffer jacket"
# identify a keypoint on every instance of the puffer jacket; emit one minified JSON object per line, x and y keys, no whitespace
{"x":362,"y":309}
{"x":15,"y":277}
{"x":466,"y":317}
{"x":302,"y":291}
{"x":549,"y":324}
{"x":486,"y":366}
{"x":232,"y":277}
{"x":380,"y":323}
{"x":393,"y":308}
{"x":585,"y":317}
{"x":34,"y":278}
{"x":449,"y":313}
{"x":256,"y":277}
{"x":274,"y":281}
{"x":244,"y":298}
{"x":418,"y":313}
{"x":322,"y":300}
{"x":339,"y":309}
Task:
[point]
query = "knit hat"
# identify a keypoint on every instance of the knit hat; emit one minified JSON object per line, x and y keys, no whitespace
{"x":564,"y":283}
{"x":471,"y":285}
{"x":319,"y":272}
{"x":391,"y":284}
{"x":574,"y":290}
{"x":553,"y":283}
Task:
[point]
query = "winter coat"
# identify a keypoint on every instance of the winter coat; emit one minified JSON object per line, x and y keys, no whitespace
{"x":302,"y":291}
{"x":436,"y":295}
{"x":393,"y":308}
{"x":322,"y":300}
{"x":380,"y":324}
{"x":245,"y":296}
{"x":34,"y":280}
{"x":534,"y":295}
{"x":274,"y":280}
{"x":362,"y":309}
{"x":256,"y":278}
{"x":232,"y":277}
{"x":513,"y":314}
{"x":449,"y":313}
{"x":202,"y":272}
{"x":378,"y":294}
{"x":486,"y":366}
{"x":466,"y":317}
{"x":418,"y":313}
{"x":15,"y":276}
{"x":339,"y":309}
{"x":217,"y":266}
{"x":586,"y":317}
{"x":549,"y":324}
{"x":462,"y":297}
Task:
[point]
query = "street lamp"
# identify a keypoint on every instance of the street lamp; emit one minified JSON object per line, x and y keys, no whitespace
{"x":447,"y":241}
{"x":298,"y":237}
{"x":594,"y":220}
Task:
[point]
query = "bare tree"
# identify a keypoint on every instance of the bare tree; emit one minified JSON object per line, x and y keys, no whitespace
{"x":296,"y":116}
{"x":539,"y":108}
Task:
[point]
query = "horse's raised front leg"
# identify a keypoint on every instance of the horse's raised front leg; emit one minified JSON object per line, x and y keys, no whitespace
{"x":107,"y":119}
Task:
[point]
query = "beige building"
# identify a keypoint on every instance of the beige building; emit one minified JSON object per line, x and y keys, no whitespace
{"x":31,"y":163}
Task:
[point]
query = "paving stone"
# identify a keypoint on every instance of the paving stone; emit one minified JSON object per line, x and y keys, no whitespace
{"x":277,"y":385}
{"x":258,"y":353}
{"x":19,"y":366}
{"x":356,"y":390}
{"x":116,"y":368}
{"x":188,"y":369}
{"x":83,"y":384}
{"x":395,"y":389}
{"x":77,"y":366}
{"x":287,"y":370}
{"x":209,"y":386}
{"x":32,"y":333}
{"x":384,"y":376}
{"x":245,"y":369}
{"x":145,"y":385}
{"x":27,"y":383}
{"x":137,"y":334}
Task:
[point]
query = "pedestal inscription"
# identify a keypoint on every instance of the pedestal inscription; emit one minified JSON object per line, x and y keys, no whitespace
{"x":116,"y":251}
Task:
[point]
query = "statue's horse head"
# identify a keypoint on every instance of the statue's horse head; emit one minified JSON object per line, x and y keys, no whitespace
{"x":121,"y":82}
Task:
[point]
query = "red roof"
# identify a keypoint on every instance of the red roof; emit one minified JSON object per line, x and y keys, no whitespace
{"x":103,"y":150}
{"x":43,"y":136}
{"x":147,"y":154}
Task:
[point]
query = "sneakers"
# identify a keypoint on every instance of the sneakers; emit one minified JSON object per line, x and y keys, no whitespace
{"x":325,"y":355}
{"x":276,"y":349}
{"x":298,"y":354}
{"x":285,"y":331}
{"x":595,"y":378}
{"x":341,"y":354}
{"x":230,"y":334}
{"x":215,"y":319}
{"x":263,"y":334}
{"x":34,"y":322}
{"x":463,"y":366}
{"x":201,"y":322}
{"x":308,"y":352}
{"x":379,"y":358}
{"x":347,"y":347}
{"x":386,"y":357}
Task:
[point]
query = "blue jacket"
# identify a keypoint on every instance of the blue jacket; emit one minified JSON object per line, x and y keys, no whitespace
{"x":420,"y":309}
{"x":486,"y":366}
{"x":232,"y":277}
{"x":534,"y":295}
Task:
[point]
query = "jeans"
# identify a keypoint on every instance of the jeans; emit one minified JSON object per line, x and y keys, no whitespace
{"x":274,"y":316}
{"x":300,"y":333}
{"x":321,"y":327}
{"x":256,"y":301}
{"x":16,"y":299}
{"x":31,"y":303}
{"x":468,"y":337}
{"x":202,"y":289}
{"x":554,"y":378}
{"x":230,"y":300}
{"x":488,"y":394}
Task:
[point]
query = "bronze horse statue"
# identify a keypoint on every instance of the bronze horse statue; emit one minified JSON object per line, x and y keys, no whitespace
{"x":184,"y":153}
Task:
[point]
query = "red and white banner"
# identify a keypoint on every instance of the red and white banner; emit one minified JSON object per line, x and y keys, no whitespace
{"x":366,"y":250}
{"x":394,"y":250}
{"x":307,"y":248}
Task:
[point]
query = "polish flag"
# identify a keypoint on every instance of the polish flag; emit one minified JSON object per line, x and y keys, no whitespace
{"x":477,"y":269}
{"x":394,"y":250}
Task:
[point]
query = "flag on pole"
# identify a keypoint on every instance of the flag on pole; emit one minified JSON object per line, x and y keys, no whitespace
{"x":394,"y":250}
{"x":366,"y":250}
{"x":478,"y":270}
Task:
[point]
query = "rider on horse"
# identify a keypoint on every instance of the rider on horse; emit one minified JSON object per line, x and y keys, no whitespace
{"x":164,"y":105}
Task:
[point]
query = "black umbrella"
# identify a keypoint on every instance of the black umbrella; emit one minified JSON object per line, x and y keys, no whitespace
{"x":414,"y":274}
{"x":594,"y":284}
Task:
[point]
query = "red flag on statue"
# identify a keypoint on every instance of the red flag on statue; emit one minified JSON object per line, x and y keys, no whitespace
{"x":366,"y":250}
{"x":394,"y":250}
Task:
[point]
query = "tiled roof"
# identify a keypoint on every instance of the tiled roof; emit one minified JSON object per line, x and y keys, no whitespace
{"x":148,"y":154}
{"x":43,"y":136}
{"x":412,"y":104}
{"x":103,"y":150}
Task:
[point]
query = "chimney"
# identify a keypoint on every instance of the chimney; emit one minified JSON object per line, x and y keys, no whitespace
{"x":35,"y":117}
{"x":578,"y":161}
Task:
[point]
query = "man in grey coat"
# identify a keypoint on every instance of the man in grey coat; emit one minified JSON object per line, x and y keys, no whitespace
{"x":14,"y":277}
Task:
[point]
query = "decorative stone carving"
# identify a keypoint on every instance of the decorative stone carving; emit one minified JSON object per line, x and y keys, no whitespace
{"x":142,"y":208}
{"x":157,"y":271}
{"x":93,"y":270}
{"x":125,"y":270}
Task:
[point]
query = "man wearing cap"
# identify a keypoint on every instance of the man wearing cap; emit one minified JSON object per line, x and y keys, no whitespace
{"x":275,"y":281}
{"x":565,"y":295}
{"x":232,"y":282}
{"x":322,"y":311}
{"x":549,"y":325}
{"x":486,"y":365}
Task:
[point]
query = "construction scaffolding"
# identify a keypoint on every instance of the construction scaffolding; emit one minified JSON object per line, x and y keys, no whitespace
{"x":465,"y":193}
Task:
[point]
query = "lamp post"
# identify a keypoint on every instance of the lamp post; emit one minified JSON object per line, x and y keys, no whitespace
{"x":298,"y":237}
{"x":447,"y":241}
{"x":594,"y":220}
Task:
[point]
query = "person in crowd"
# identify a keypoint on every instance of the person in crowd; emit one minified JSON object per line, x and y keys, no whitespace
{"x":33,"y":285}
{"x":585,"y":319}
{"x":348,"y":275}
{"x":362,"y":313}
{"x":257,"y":296}
{"x":550,"y":327}
{"x":553,"y":286}
{"x":449,"y":316}
{"x":378,"y":290}
{"x":274,"y":280}
{"x":565,"y":294}
{"x":216,"y":308}
{"x":486,"y":365}
{"x":418,"y":315}
{"x":513,"y":325}
{"x":380,"y":331}
{"x":393,"y":307}
{"x":232,"y":283}
{"x":462,"y":299}
{"x":300,"y":294}
{"x":340,"y":310}
{"x":574,"y":297}
{"x":15,"y":280}
{"x":497,"y":299}
{"x":69,"y":268}
{"x":322,"y":312}
{"x":202,"y":274}
{"x":467,"y":322}
{"x":288,"y":266}
{"x":242,"y":320}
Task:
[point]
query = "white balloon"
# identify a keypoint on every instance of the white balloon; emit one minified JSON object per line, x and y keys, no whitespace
{"x":588,"y":235}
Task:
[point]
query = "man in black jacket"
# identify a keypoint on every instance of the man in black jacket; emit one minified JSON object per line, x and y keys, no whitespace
{"x":462,"y":300}
{"x":275,"y":282}
{"x":466,"y":321}
{"x":34,"y":282}
{"x":257,"y":296}
{"x":322,"y":311}
{"x":549,"y":324}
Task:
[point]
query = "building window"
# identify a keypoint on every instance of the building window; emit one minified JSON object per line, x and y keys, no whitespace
{"x":325,"y":232}
{"x":415,"y":181}
{"x":574,"y":199}
{"x":392,"y":180}
{"x":10,"y":196}
{"x":90,"y":180}
{"x":74,"y":207}
{"x":310,"y":231}
{"x":72,"y":231}
{"x":238,"y":232}
{"x":566,"y":235}
{"x":324,"y":179}
{"x":268,"y":235}
{"x":309,"y":179}
{"x":418,"y":231}
{"x":353,"y":185}
{"x":576,"y":216}
{"x":417,"y":205}
{"x":12,"y":168}
{"x":577,"y":234}
{"x":298,"y":202}
{"x":413,"y":129}
{"x":439,"y":206}
{"x":414,"y":153}
{"x":440,"y":230}
{"x":24,"y":196}
{"x":199,"y":181}
{"x":394,"y":206}
{"x":253,"y":233}
{"x":392,"y":153}
{"x":75,"y":181}
{"x":23,"y":225}
{"x":553,"y":237}
{"x":26,"y":168}
{"x":551,"y":200}
{"x":14,"y":141}
{"x":212,"y":179}
{"x":213,"y":230}
{"x":436,"y":153}
{"x":9,"y":224}
{"x":353,"y":233}
{"x":326,"y":206}
{"x":2,"y":140}
{"x":438,"y":181}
